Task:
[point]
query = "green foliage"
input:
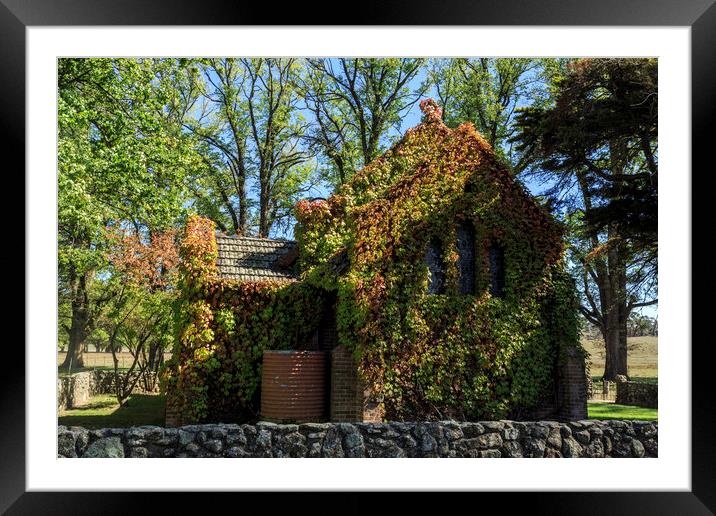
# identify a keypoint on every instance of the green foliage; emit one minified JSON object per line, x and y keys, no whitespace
{"x":603,"y":123}
{"x":121,"y":155}
{"x":246,"y":116}
{"x":488,"y":92}
{"x":122,"y":160}
{"x":223,"y":328}
{"x":139,"y":138}
{"x":597,"y":144}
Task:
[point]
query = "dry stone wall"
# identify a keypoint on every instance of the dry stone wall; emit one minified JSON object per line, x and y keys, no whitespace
{"x":638,"y":394}
{"x":75,"y":390}
{"x":489,"y":439}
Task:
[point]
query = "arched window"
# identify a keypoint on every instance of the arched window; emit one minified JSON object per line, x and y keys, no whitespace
{"x":466,"y":257}
{"x":497,"y":270}
{"x":436,"y":267}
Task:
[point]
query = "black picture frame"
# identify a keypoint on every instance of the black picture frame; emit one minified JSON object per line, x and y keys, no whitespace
{"x":700,"y":15}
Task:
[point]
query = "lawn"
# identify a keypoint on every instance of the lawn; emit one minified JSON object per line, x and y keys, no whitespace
{"x":103,"y":411}
{"x":614,"y":411}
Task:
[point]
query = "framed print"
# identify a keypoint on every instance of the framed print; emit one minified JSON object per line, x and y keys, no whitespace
{"x":428,"y":233}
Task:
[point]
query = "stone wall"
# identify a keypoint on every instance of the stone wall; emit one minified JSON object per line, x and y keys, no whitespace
{"x":638,"y":394}
{"x":76,"y":389}
{"x":439,"y":439}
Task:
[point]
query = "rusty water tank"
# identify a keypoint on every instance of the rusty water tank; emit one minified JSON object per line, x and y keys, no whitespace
{"x":293,"y":386}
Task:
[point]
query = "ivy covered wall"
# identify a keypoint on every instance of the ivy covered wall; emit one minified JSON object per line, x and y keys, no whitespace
{"x":222,"y":329}
{"x":489,"y":351}
{"x":486,"y":350}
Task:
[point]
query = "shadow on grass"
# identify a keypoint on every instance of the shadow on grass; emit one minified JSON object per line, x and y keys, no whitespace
{"x":105,"y":412}
{"x":100,"y":404}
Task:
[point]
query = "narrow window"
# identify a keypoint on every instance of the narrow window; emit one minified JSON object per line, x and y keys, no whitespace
{"x":466,"y":257}
{"x":436,"y":267}
{"x":497,"y":270}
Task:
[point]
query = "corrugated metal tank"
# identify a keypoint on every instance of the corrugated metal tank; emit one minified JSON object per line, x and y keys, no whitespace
{"x":293,"y":386}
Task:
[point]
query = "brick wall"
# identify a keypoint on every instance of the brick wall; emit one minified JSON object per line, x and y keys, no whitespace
{"x":572,"y":387}
{"x":172,"y":413}
{"x":346,"y":396}
{"x":350,"y":399}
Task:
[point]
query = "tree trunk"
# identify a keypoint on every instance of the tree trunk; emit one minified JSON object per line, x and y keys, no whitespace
{"x":264,"y":223}
{"x":79,"y":329}
{"x":611,"y":342}
{"x":617,"y":315}
{"x":612,"y":319}
{"x":230,"y":208}
{"x":243,"y":207}
{"x":623,"y":314}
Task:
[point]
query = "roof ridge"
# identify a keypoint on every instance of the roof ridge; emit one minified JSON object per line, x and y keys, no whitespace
{"x":258,"y":239}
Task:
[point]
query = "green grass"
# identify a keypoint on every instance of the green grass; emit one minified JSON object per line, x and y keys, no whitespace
{"x":614,"y":411}
{"x":103,"y":411}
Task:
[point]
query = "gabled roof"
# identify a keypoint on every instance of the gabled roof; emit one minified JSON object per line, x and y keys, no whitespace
{"x":256,"y":259}
{"x":432,"y":171}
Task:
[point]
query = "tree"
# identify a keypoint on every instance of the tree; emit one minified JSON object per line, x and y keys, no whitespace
{"x":221,"y":122}
{"x":121,"y":157}
{"x":140,"y":315}
{"x":640,"y":325}
{"x":272,"y":102}
{"x":488,"y":92}
{"x":354,"y":104}
{"x":249,"y":122}
{"x":598,"y":139}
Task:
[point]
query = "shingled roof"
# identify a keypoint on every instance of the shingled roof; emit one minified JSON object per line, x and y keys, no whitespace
{"x":256,"y":259}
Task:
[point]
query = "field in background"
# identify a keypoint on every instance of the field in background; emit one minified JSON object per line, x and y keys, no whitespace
{"x":102,"y":360}
{"x":642,"y":360}
{"x":642,"y":357}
